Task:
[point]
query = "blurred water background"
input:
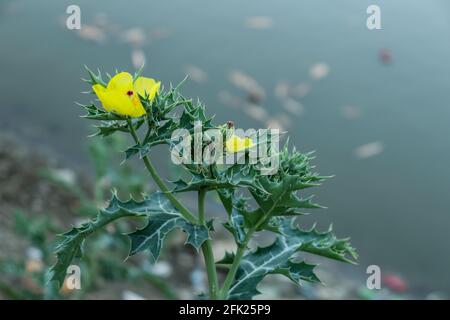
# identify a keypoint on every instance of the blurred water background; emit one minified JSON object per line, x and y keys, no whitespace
{"x":375,"y":105}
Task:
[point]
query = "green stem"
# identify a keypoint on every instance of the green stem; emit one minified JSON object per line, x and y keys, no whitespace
{"x":207,"y":249}
{"x":235,"y":265}
{"x":162,"y":186}
{"x":201,"y":206}
{"x":240,"y":252}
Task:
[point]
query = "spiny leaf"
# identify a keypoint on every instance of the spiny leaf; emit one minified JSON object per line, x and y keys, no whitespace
{"x":71,"y":245}
{"x":94,"y":113}
{"x":278,"y":258}
{"x":324,"y":244}
{"x":298,"y":271}
{"x":107,"y":128}
{"x":162,"y":126}
{"x":226,"y":196}
{"x":95,"y":78}
{"x":164,"y":219}
{"x":236,"y":225}
{"x":281,"y":196}
{"x":267,"y":260}
{"x":213,"y":178}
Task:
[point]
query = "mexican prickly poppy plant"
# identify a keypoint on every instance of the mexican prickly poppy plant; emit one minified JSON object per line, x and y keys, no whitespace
{"x":142,"y":108}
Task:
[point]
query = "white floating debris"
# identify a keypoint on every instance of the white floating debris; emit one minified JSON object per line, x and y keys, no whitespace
{"x":274,"y":124}
{"x":259,"y":22}
{"x":162,"y":269}
{"x":351,"y":112}
{"x":247,"y":83}
{"x":256,"y":112}
{"x":196,"y":73}
{"x":134,"y":36}
{"x":138,"y":58}
{"x":282,"y":90}
{"x":369,"y":150}
{"x":293,"y":106}
{"x":92,"y":33}
{"x":130,"y":295}
{"x":319,"y":71}
{"x":280,"y":122}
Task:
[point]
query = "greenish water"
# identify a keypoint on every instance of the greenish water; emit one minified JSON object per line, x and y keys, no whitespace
{"x":395,"y":205}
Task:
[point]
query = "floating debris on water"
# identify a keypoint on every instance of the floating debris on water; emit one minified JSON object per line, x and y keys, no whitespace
{"x":319,"y":71}
{"x":138,"y":58}
{"x":351,"y":112}
{"x":256,"y":112}
{"x":280,"y":122}
{"x":385,"y":55}
{"x":196,"y":74}
{"x":259,"y":22}
{"x":394,"y":283}
{"x":369,"y":150}
{"x":245,"y":82}
{"x":282,"y":90}
{"x":92,"y":33}
{"x":293,"y":106}
{"x":134,"y":36}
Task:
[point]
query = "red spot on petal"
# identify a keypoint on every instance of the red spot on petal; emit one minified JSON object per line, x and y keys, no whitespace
{"x":130,"y":93}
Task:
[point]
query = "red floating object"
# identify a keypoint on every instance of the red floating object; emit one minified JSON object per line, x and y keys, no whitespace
{"x":394,"y":282}
{"x":385,"y":55}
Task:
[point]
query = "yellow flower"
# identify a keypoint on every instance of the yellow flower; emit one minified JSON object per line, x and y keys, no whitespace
{"x":236,"y":144}
{"x":121,"y":94}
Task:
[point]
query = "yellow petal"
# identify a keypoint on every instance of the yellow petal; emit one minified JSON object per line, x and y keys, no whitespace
{"x":104,"y":98}
{"x":122,"y":81}
{"x":236,"y":144}
{"x":119,"y":102}
{"x":144,"y":86}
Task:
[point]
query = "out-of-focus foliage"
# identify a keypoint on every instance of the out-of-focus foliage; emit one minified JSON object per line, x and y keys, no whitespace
{"x":104,"y":252}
